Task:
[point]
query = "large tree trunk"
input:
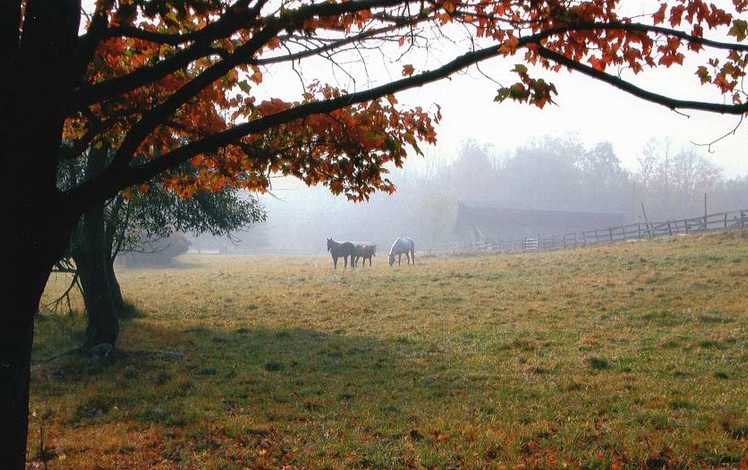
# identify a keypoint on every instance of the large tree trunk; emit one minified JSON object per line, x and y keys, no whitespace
{"x":21,"y":288}
{"x":34,"y":240}
{"x":37,"y":73}
{"x":91,"y":254}
{"x":16,"y":339}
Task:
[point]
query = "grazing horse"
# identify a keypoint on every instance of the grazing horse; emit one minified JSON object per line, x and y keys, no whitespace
{"x":403,"y":245}
{"x":338,"y":249}
{"x":365,"y":251}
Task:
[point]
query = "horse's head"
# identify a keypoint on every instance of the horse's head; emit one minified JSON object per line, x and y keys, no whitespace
{"x":392,"y":259}
{"x":329,"y":244}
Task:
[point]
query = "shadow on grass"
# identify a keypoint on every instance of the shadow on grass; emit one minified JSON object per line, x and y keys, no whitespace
{"x":301,"y":395}
{"x":302,"y":370}
{"x":258,"y":385}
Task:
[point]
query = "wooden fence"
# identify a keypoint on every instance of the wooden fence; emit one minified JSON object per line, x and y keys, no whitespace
{"x":622,"y":233}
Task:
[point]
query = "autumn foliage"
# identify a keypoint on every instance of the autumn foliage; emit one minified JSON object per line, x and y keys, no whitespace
{"x":154,"y":84}
{"x":175,"y":81}
{"x":202,"y":108}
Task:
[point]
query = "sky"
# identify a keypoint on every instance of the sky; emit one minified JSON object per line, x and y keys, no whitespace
{"x":598,"y":112}
{"x":592,"y":110}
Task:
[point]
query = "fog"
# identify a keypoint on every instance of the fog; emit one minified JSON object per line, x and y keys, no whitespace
{"x":547,"y":173}
{"x":300,"y":219}
{"x":595,"y":149}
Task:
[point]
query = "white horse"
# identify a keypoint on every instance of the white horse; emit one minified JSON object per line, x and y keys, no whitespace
{"x":403,"y":245}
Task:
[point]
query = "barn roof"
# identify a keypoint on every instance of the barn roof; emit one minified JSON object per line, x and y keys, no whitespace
{"x":496,"y":221}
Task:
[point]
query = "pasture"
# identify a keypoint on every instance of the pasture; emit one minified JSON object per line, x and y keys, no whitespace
{"x":624,"y":356}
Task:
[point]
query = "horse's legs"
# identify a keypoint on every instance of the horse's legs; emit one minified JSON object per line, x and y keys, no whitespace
{"x":413,"y":255}
{"x":335,"y":262}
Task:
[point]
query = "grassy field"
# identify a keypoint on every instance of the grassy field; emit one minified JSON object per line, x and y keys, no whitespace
{"x":625,"y":356}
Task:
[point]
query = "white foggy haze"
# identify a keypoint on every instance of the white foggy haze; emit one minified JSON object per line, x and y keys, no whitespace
{"x":301,"y":218}
{"x":592,"y":111}
{"x":425,"y":206}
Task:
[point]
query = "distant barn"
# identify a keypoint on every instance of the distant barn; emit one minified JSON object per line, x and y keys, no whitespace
{"x":485,"y":225}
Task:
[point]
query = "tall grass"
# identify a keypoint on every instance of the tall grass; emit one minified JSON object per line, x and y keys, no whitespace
{"x":622,"y":356}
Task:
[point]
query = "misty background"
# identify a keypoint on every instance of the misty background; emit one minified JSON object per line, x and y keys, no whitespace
{"x":560,"y":173}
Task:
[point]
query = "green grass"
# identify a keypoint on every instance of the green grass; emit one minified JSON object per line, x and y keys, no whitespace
{"x":624,"y":356}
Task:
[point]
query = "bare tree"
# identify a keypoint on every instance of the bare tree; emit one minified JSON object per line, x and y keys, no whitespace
{"x":672,"y":181}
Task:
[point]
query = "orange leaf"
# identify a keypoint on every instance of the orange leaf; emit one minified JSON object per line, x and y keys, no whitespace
{"x":509,"y":46}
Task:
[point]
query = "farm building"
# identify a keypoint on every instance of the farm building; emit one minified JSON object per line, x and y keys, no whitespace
{"x":487,"y":225}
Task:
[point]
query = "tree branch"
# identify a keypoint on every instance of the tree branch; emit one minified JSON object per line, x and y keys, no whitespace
{"x":242,"y":55}
{"x":631,"y":89}
{"x":235,"y":19}
{"x":121,"y":176}
{"x":89,"y":94}
{"x":114,"y":179}
{"x":644,"y":28}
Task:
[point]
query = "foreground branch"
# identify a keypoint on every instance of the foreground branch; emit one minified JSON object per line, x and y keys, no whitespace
{"x":671,"y":103}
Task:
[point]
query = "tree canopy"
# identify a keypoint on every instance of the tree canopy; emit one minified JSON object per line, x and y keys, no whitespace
{"x":171,"y":82}
{"x":158,"y":83}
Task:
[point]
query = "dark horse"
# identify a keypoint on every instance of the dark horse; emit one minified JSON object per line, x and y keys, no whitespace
{"x":365,"y":251}
{"x":338,"y":249}
{"x":403,"y":246}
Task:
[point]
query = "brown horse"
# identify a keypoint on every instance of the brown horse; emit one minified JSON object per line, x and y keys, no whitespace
{"x":365,"y":251}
